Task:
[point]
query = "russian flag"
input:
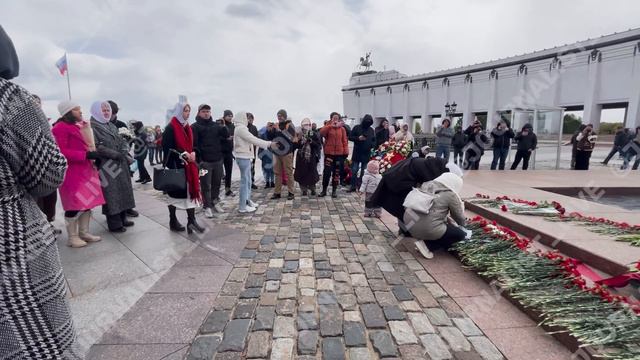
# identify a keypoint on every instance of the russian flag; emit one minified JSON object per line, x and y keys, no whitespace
{"x":62,"y":64}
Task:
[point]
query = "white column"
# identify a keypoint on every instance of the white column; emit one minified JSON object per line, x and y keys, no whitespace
{"x":426,"y":118}
{"x":373,"y":101}
{"x":407,"y":111}
{"x":552,"y":122}
{"x":358,"y":105}
{"x":445,"y":89}
{"x":591,"y":108}
{"x":633,"y":111}
{"x":492,"y":113}
{"x":389,"y":114}
{"x":466,"y":112}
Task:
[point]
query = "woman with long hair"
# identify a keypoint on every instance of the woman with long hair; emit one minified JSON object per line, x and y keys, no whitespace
{"x":307,"y":157}
{"x":177,"y":145}
{"x":80,"y":191}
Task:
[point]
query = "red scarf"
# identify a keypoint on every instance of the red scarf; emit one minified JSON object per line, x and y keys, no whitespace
{"x":184,"y":142}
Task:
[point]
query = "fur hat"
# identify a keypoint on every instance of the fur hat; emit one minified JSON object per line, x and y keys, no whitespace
{"x":373,"y":167}
{"x":227,"y":113}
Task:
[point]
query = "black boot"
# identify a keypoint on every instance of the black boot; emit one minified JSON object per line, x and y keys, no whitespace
{"x":174,"y":224}
{"x":333,"y":192}
{"x":324,"y":192}
{"x":192,"y":225}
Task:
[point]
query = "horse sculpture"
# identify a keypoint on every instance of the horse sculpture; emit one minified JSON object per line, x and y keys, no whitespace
{"x":365,"y":62}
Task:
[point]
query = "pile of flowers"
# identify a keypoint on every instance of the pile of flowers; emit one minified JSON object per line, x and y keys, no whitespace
{"x":125,"y":133}
{"x":554,"y":211}
{"x":550,"y":284}
{"x":391,"y":152}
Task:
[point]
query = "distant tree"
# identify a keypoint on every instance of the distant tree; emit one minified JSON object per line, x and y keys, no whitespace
{"x":609,"y":128}
{"x":571,"y":123}
{"x":483,"y":120}
{"x":417,"y":128}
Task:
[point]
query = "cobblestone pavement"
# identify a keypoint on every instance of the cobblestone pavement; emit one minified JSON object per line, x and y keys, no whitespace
{"x":317,"y":280}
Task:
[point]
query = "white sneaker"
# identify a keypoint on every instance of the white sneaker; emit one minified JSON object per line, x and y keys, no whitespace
{"x":423,"y":249}
{"x":208,"y":213}
{"x":252,"y":204}
{"x":248,"y":209}
{"x":218,"y":208}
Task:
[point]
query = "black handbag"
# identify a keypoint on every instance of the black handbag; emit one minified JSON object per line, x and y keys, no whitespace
{"x":169,"y":180}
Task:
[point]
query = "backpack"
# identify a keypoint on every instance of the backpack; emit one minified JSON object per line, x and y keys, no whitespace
{"x":420,"y":199}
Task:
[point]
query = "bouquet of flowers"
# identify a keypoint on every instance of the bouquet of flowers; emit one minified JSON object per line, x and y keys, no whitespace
{"x":391,"y":152}
{"x":125,"y":133}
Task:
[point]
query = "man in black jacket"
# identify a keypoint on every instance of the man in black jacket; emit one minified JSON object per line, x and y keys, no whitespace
{"x":527,"y":143}
{"x":114,"y":115}
{"x":208,"y":140}
{"x":502,"y":136}
{"x":254,"y":131}
{"x":227,"y":150}
{"x":476,"y":139}
{"x":364,"y":139}
{"x":618,"y":142}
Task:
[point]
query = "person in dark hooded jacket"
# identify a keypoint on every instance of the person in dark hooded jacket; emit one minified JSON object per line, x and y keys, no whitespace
{"x":382,"y":132}
{"x":502,"y":136}
{"x":364,"y":139}
{"x":527,"y":143}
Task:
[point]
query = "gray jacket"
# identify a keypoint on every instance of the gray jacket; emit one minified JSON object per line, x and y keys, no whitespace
{"x":444,"y":136}
{"x":370,"y":182}
{"x":433,"y":225}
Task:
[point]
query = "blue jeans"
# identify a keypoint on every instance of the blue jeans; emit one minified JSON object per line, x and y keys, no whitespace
{"x":152,"y":152}
{"x":355,"y":167}
{"x":442,"y":151}
{"x":499,"y":154}
{"x":245,"y":181}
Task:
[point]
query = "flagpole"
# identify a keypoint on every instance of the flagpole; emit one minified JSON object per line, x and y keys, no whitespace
{"x":68,"y":82}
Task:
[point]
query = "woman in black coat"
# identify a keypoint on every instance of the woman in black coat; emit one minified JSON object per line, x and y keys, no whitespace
{"x":140,"y":151}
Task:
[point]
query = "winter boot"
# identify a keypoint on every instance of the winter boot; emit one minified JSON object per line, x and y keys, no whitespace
{"x":192,"y":224}
{"x":72,"y":231}
{"x":83,"y":227}
{"x":174,"y":224}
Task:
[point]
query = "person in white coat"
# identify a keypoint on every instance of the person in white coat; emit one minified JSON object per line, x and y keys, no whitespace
{"x":243,"y":151}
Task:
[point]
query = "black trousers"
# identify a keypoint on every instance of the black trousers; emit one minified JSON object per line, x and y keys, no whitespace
{"x":47,"y":205}
{"x":116,"y":221}
{"x":614,"y":150}
{"x":142,"y":171}
{"x":333,"y":169}
{"x":472,"y":160}
{"x":523,"y":155}
{"x":452,"y":235}
{"x":210,"y":183}
{"x":458,"y":156}
{"x":228,"y":167}
{"x":582,"y":159}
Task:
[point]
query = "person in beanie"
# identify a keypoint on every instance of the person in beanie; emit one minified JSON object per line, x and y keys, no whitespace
{"x":307,"y":157}
{"x":364,"y":139}
{"x":502,"y":136}
{"x":286,"y":135}
{"x":36,"y":318}
{"x":443,"y":140}
{"x":336,"y":149}
{"x":140,"y":151}
{"x":114,"y":115}
{"x":527,"y":143}
{"x":370,"y":182}
{"x":586,"y":142}
{"x":254,"y":131}
{"x":80,"y":192}
{"x":209,"y":138}
{"x":227,"y":151}
{"x":458,"y":142}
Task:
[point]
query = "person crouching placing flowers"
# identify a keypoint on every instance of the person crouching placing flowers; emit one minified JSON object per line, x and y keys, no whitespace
{"x":435,"y":220}
{"x":370,"y":182}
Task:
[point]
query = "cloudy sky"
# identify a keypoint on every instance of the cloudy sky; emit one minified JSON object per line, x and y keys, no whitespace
{"x":263,"y":55}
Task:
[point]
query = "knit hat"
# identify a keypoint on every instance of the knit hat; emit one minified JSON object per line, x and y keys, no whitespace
{"x":227,"y":113}
{"x":203,"y":107}
{"x":373,"y":167}
{"x":282,"y":112}
{"x":66,"y":106}
{"x":114,"y":107}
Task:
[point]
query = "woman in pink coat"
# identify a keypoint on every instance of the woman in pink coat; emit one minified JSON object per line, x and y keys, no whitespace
{"x":80,"y":191}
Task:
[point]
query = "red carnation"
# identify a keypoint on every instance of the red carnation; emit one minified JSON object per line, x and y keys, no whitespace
{"x":504,"y":208}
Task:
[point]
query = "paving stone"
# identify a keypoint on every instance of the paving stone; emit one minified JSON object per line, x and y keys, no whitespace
{"x":259,"y":344}
{"x":272,"y":286}
{"x":286,"y":307}
{"x":360,"y":354}
{"x":364,"y":295}
{"x":291,"y":255}
{"x":287,"y":291}
{"x":352,"y":316}
{"x":327,"y":298}
{"x":341,"y":276}
{"x":248,"y":254}
{"x":231,"y":289}
{"x":215,"y":321}
{"x":322,"y":265}
{"x":203,"y":347}
{"x":412,"y":352}
{"x":454,"y":337}
{"x":410,"y":306}
{"x":324,"y":285}
{"x":379,"y":285}
{"x":438,"y":317}
{"x":436,"y":348}
{"x":424,"y":277}
{"x":451,"y":307}
{"x":254,"y":281}
{"x":235,"y":335}
{"x":289,"y":278}
{"x":424,"y":297}
{"x":466,"y":355}
{"x":354,"y":334}
{"x":355,"y":268}
{"x":383,"y":343}
{"x":250,"y":293}
{"x":225,"y":302}
{"x":264,"y":318}
{"x":386,"y":298}
{"x":282,"y":349}
{"x":277,"y":254}
{"x":330,"y":320}
{"x":393,"y":312}
{"x":332,"y":349}
{"x":290,"y":266}
{"x":402,"y":332}
{"x":238,"y":275}
{"x":343,"y":288}
{"x":347,"y":301}
{"x":284,"y":326}
{"x":258,"y":268}
{"x":267,"y":239}
{"x":421,"y":324}
{"x":467,"y":326}
{"x":402,"y":293}
{"x":307,"y":282}
{"x":245,"y":309}
{"x":307,"y":321}
{"x":268,"y":299}
{"x":385,"y":266}
{"x":414,"y":265}
{"x":324,"y":274}
{"x":306,"y":263}
{"x":359,"y":280}
{"x":373,"y":316}
{"x":307,"y":304}
{"x":276,"y":263}
{"x":228,"y":356}
{"x":307,"y":342}
{"x":274,"y":274}
{"x":485,"y":348}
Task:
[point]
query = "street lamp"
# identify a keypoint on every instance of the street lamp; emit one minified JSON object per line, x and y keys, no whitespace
{"x":450,"y":110}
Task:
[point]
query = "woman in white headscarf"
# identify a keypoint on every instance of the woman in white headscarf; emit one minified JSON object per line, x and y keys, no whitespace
{"x":404,"y":134}
{"x":177,"y":145}
{"x":435,"y":230}
{"x":113,"y":165}
{"x":307,"y":158}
